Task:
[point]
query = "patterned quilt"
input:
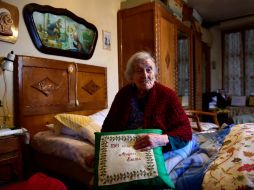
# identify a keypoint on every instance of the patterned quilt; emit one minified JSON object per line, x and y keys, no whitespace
{"x":187,"y":166}
{"x":223,"y":159}
{"x":234,"y":167}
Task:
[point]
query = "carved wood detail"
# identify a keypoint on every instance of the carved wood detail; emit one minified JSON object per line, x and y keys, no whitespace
{"x":167,"y":60}
{"x":46,"y":86}
{"x":91,"y":87}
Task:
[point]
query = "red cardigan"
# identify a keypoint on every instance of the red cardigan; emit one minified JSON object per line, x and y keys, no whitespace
{"x":162,"y":110}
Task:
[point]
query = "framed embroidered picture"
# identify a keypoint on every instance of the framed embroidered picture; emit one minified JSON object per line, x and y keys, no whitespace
{"x":119,"y":166}
{"x":60,"y":32}
{"x":9,"y":21}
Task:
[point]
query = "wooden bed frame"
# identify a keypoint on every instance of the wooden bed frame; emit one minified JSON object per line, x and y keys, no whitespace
{"x":45,"y":87}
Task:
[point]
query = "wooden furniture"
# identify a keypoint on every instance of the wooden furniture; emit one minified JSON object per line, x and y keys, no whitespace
{"x":224,"y":117}
{"x":240,"y":114}
{"x":45,"y":87}
{"x":184,"y":66}
{"x":197,"y":66}
{"x":239,"y":110}
{"x":198,"y":115}
{"x":151,"y":27}
{"x":10,"y":158}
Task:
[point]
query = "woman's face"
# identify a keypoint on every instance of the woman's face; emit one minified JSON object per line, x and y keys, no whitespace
{"x":144,"y":75}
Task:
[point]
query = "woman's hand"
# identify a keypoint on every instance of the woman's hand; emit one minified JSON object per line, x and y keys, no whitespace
{"x":149,"y":141}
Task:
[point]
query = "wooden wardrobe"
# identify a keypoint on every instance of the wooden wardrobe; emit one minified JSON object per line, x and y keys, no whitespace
{"x":151,"y":27}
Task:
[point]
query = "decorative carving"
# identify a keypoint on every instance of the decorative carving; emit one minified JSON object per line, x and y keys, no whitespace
{"x":46,"y":86}
{"x":91,"y":87}
{"x":71,"y":69}
{"x":167,"y":60}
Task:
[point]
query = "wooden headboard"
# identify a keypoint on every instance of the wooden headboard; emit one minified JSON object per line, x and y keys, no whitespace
{"x":45,"y":87}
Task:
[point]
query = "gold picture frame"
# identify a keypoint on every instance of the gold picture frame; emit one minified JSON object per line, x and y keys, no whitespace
{"x":251,"y":101}
{"x":9,"y":21}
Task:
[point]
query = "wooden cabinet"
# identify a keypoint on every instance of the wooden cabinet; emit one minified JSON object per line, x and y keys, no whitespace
{"x":10,"y":158}
{"x":198,"y":79}
{"x":184,"y":74}
{"x":152,"y":28}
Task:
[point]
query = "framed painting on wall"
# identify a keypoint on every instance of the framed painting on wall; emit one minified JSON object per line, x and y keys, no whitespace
{"x":106,"y":37}
{"x":251,"y":100}
{"x":60,"y":32}
{"x":9,"y":21}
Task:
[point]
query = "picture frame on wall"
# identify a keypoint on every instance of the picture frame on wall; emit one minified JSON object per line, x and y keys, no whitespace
{"x":58,"y":31}
{"x":9,"y":21}
{"x":251,"y":100}
{"x":106,"y":39}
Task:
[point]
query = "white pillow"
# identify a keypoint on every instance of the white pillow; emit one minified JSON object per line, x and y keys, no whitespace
{"x":51,"y":126}
{"x":100,"y":116}
{"x":57,"y":129}
{"x":205,"y":126}
{"x":67,"y":131}
{"x":88,"y":131}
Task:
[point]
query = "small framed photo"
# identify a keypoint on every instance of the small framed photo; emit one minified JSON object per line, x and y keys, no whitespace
{"x":106,"y":39}
{"x":251,"y":101}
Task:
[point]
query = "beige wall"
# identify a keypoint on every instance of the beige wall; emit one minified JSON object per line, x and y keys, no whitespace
{"x":101,"y":13}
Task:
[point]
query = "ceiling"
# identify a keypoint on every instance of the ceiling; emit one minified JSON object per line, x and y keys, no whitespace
{"x":216,"y":11}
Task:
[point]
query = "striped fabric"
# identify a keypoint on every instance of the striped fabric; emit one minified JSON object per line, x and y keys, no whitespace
{"x":73,"y":121}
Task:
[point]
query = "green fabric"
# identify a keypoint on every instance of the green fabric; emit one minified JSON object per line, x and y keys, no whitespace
{"x":162,"y":181}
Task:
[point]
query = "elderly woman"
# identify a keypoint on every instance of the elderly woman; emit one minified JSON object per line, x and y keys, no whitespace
{"x":144,"y":103}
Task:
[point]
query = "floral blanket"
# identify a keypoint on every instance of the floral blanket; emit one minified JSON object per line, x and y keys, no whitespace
{"x":234,"y":167}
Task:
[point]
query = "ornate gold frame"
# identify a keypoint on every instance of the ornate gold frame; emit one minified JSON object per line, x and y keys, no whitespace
{"x":9,"y":21}
{"x":251,"y":100}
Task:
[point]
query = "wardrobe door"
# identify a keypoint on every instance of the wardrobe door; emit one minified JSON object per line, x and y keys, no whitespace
{"x":135,"y":33}
{"x":198,"y":71}
{"x":150,"y":27}
{"x":184,"y":67}
{"x":167,"y":45}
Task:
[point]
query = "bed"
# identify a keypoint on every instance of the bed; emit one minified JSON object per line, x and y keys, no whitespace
{"x":44,"y":88}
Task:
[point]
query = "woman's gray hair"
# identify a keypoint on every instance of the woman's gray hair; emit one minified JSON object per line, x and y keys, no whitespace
{"x":134,"y":59}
